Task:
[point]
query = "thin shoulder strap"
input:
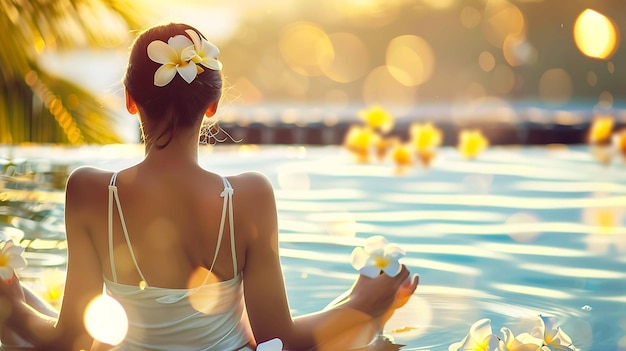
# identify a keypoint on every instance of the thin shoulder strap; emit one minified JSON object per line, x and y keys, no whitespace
{"x":227,"y":194}
{"x":113,"y":195}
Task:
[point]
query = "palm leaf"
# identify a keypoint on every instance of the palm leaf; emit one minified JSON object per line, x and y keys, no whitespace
{"x":38,"y":107}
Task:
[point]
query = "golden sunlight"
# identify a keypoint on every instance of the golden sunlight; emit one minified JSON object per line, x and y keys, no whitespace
{"x":306,"y":48}
{"x":595,"y":34}
{"x":351,"y":58}
{"x":106,"y":320}
{"x":502,"y":19}
{"x":410,"y":60}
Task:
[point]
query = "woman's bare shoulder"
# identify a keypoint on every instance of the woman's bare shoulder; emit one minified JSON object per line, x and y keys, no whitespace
{"x":85,"y":182}
{"x":252,"y":184}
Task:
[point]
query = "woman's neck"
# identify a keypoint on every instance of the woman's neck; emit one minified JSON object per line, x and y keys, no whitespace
{"x":182,"y":149}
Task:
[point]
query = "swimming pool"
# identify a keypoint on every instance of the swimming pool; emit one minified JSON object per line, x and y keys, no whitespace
{"x":517,"y":232}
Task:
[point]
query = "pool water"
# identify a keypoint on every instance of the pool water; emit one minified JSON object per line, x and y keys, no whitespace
{"x":517,"y":232}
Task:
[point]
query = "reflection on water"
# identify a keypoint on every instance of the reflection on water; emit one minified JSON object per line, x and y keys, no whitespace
{"x":512,"y":234}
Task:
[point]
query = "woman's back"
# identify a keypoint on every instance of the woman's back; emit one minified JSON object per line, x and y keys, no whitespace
{"x":171,"y":266}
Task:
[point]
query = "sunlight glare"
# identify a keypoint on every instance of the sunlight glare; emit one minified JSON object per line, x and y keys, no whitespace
{"x":106,"y":320}
{"x":306,"y":48}
{"x":410,"y":60}
{"x":555,"y":86}
{"x":595,"y":34}
{"x":502,"y":19}
{"x":351,"y":60}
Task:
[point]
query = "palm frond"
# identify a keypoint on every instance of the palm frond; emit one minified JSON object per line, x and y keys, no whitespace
{"x":38,"y":107}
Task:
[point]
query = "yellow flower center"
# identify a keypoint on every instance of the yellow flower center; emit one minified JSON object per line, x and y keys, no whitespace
{"x":381,"y":262}
{"x":4,"y":260}
{"x":53,"y":294}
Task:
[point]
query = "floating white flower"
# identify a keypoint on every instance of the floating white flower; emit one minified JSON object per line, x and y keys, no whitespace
{"x":206,"y":52}
{"x":521,"y":342}
{"x":377,"y":255}
{"x":270,"y":345}
{"x":546,"y":328}
{"x":10,"y":259}
{"x":175,"y":56}
{"x":479,"y":338}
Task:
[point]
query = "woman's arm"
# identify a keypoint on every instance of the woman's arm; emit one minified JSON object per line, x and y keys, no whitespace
{"x":265,"y":295}
{"x":83,"y":283}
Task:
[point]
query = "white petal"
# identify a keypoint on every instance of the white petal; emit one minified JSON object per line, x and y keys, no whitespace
{"x":456,"y":345}
{"x":164,"y":75}
{"x":358,"y":258}
{"x":392,"y":269}
{"x":479,"y":331}
{"x":270,"y":345}
{"x":195,"y":38}
{"x":212,"y":63}
{"x":6,"y":273}
{"x":375,"y":243}
{"x":394,"y":251}
{"x":179,"y":43}
{"x":208,"y":49}
{"x":188,"y":53}
{"x":188,"y":71}
{"x":370,"y":271}
{"x":160,"y":52}
{"x":17,"y":262}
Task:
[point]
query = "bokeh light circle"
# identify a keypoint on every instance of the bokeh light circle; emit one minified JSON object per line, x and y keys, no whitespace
{"x":595,"y":34}
{"x":305,"y":48}
{"x":106,"y":320}
{"x":410,"y":60}
{"x":351,"y":59}
{"x":555,"y":86}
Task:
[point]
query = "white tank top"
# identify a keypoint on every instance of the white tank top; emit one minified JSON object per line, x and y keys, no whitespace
{"x":209,"y":317}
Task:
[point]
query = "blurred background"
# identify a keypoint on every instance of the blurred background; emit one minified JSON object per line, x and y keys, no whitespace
{"x":302,"y":64}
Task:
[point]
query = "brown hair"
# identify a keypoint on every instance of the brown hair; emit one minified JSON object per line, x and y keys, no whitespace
{"x":178,"y":104}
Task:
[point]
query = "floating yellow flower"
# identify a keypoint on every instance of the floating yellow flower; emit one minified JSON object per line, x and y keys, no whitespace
{"x":425,"y":136}
{"x":402,"y":154}
{"x":383,"y":145}
{"x":471,"y":143}
{"x":377,"y":118}
{"x":359,"y":140}
{"x":53,"y":285}
{"x":10,"y":259}
{"x":600,"y":130}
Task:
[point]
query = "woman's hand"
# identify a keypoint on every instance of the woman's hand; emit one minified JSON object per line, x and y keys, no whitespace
{"x":12,"y":290}
{"x":376,"y":296}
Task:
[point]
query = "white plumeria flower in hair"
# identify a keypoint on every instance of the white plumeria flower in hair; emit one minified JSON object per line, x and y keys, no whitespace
{"x":206,"y":52}
{"x":377,"y":255}
{"x":270,"y":345}
{"x":10,"y":259}
{"x":175,"y":56}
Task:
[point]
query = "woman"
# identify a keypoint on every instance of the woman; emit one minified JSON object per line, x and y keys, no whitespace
{"x":191,"y":256}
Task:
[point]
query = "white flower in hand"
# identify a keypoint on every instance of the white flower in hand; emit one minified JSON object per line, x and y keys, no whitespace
{"x":10,"y":259}
{"x":377,"y":255}
{"x":270,"y":345}
{"x":175,"y":56}
{"x":522,"y":342}
{"x":206,"y":52}
{"x":479,"y":338}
